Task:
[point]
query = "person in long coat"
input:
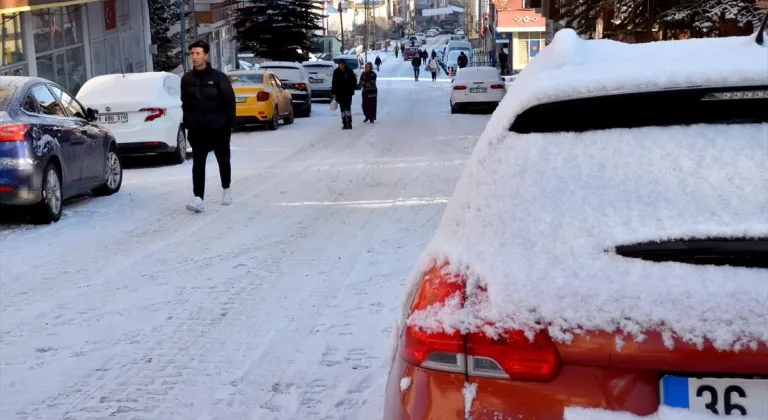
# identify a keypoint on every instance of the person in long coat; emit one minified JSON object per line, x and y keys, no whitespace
{"x":342,"y":89}
{"x":370,"y":93}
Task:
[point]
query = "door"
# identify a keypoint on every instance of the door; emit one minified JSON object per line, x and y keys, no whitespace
{"x":52,"y":120}
{"x":94,"y":152}
{"x":281,"y":95}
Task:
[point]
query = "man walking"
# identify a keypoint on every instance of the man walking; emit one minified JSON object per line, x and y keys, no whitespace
{"x":208,"y":103}
{"x":416,"y":63}
{"x":503,"y":60}
{"x":343,"y":85}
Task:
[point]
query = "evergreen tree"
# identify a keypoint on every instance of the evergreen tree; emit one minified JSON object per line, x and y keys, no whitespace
{"x":704,"y":16}
{"x":278,"y":29}
{"x":163,"y":14}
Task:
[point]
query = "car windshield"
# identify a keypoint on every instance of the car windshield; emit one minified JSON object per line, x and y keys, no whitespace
{"x":6,"y":92}
{"x":454,"y":55}
{"x":285,"y":73}
{"x":478,"y":74}
{"x":246,"y":79}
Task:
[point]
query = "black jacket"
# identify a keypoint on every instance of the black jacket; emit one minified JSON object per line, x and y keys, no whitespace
{"x":416,"y":62}
{"x":207,"y":99}
{"x":462,"y":61}
{"x":378,"y":61}
{"x":344,"y":82}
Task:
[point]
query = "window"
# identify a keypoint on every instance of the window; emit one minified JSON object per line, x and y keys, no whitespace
{"x":11,"y":40}
{"x":40,"y":100}
{"x":276,"y":82}
{"x":288,"y":73}
{"x":6,"y":93}
{"x":57,"y":28}
{"x":74,"y":109}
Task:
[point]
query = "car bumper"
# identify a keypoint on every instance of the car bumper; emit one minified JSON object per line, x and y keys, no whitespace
{"x":321,"y":93}
{"x":253,"y":120}
{"x":438,"y":395}
{"x":476,"y":104}
{"x":20,"y":181}
{"x":300,"y":99}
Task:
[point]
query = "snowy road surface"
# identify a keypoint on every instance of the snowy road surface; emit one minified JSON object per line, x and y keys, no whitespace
{"x":277,"y":307}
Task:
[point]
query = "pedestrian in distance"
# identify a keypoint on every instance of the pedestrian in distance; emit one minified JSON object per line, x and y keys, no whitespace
{"x":208,"y":105}
{"x":416,"y":63}
{"x":503,"y":60}
{"x":377,"y":62}
{"x":462,"y":61}
{"x":343,"y":86}
{"x":432,"y":66}
{"x":396,"y":50}
{"x":369,"y":93}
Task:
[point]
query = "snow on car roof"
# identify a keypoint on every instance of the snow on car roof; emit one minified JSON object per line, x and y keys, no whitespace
{"x":534,"y":218}
{"x":129,"y":87}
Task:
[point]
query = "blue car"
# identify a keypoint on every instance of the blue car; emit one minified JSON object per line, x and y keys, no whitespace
{"x":51,"y":148}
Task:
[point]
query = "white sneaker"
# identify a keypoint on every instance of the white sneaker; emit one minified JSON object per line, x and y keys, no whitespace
{"x":196,"y":205}
{"x":226,"y":197}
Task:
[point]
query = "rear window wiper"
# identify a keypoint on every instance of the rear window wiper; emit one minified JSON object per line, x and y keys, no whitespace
{"x":735,"y":252}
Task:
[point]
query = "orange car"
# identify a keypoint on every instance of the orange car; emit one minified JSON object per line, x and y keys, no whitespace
{"x":596,"y":254}
{"x":260,"y":99}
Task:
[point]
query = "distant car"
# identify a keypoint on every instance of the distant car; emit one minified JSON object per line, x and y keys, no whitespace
{"x":320,"y":77}
{"x":411,"y":52}
{"x":261,"y":99}
{"x":477,"y":87}
{"x":142,"y":110}
{"x":296,"y":81}
{"x":353,"y":61}
{"x":451,"y":61}
{"x":51,"y":148}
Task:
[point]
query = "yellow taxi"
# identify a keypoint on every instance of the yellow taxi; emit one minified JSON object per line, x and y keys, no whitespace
{"x":260,"y":99}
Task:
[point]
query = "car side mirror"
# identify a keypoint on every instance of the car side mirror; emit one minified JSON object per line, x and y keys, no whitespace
{"x":91,"y":114}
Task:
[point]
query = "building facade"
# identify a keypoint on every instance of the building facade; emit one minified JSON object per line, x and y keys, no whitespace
{"x":214,"y":25}
{"x":521,"y":30}
{"x":71,"y":41}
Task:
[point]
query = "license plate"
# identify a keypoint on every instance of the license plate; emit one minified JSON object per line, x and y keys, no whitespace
{"x":721,"y":396}
{"x":318,"y":81}
{"x":240,"y":99}
{"x":478,"y":90}
{"x":113,"y":118}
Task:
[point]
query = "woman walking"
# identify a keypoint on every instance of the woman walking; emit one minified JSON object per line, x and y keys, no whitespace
{"x":370,"y":93}
{"x":432,"y":66}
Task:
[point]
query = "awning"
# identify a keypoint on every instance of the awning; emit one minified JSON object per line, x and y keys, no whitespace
{"x":442,"y":11}
{"x":14,"y":6}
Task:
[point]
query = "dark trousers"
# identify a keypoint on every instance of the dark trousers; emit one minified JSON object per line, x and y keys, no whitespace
{"x":203,"y":141}
{"x":369,"y":104}
{"x":416,"y":73}
{"x":345,"y":104}
{"x":434,"y":75}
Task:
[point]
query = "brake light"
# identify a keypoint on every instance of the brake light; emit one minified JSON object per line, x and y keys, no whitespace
{"x":300,"y":86}
{"x":154,"y":113}
{"x":6,"y":188}
{"x":459,"y":87}
{"x":262,"y":96}
{"x":13,"y":132}
{"x":514,"y":355}
{"x":497,"y":86}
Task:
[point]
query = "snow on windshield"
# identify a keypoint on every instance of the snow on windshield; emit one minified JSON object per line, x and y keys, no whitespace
{"x":285,"y":73}
{"x":320,"y":68}
{"x":478,"y":73}
{"x":534,"y":217}
{"x":247,"y":79}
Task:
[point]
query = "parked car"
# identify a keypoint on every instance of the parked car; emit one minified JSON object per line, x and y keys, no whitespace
{"x":599,"y":256}
{"x":451,"y":61}
{"x":411,"y":52}
{"x":51,"y":148}
{"x":142,"y":110}
{"x":477,"y":87}
{"x":261,"y":99}
{"x":353,"y":61}
{"x":296,"y":81}
{"x":320,"y":77}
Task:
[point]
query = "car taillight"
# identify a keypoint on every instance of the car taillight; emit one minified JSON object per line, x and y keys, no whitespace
{"x":300,"y":86}
{"x":154,"y":113}
{"x":262,"y":96}
{"x":459,"y":88}
{"x":13,"y":132}
{"x":513,"y":355}
{"x":497,"y":86}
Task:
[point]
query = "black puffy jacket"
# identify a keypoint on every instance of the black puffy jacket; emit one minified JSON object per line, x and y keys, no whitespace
{"x":207,"y":99}
{"x":344,"y":82}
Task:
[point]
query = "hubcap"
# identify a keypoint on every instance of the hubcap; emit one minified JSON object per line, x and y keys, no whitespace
{"x":113,"y":170}
{"x":181,"y":144}
{"x":52,"y":191}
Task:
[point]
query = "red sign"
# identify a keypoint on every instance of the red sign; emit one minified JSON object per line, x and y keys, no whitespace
{"x":110,"y":15}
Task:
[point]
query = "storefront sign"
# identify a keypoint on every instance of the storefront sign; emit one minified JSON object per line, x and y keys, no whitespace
{"x":503,"y":37}
{"x":110,"y":15}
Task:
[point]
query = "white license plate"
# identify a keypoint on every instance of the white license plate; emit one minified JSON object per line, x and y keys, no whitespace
{"x":478,"y":90}
{"x":240,"y":99}
{"x":113,"y":118}
{"x":318,"y":81}
{"x":721,"y":396}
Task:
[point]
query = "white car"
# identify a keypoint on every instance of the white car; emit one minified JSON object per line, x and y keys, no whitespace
{"x":477,"y":87}
{"x":320,"y":77}
{"x":142,"y":110}
{"x":451,"y":61}
{"x":353,"y":61}
{"x":296,"y":81}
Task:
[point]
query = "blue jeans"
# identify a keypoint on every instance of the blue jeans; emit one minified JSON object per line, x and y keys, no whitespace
{"x":416,"y":73}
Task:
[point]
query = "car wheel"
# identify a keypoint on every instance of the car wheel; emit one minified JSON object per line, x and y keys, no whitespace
{"x":50,"y":207}
{"x":180,"y":154}
{"x":308,"y":112}
{"x":289,"y":119}
{"x":113,"y":174}
{"x":454,"y":109}
{"x":272,"y":125}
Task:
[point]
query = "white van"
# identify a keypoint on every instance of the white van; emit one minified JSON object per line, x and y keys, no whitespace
{"x":465,"y":46}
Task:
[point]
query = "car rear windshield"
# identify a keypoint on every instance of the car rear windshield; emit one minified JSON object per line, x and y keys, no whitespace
{"x":320,"y":68}
{"x":485,"y":75}
{"x":285,"y":73}
{"x":722,"y":105}
{"x":247,"y":79}
{"x":351,"y":62}
{"x":6,"y":92}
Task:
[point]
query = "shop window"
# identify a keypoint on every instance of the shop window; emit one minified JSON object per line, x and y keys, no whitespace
{"x":67,"y":68}
{"x":56,"y":28}
{"x":11,"y":40}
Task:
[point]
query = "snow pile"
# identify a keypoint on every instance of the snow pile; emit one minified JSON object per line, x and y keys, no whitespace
{"x":405,"y":383}
{"x":470,"y":392}
{"x":664,"y":413}
{"x":534,"y":218}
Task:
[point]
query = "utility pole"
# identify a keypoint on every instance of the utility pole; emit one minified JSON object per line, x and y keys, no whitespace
{"x":183,"y":37}
{"x":367,"y":31}
{"x":341,"y":21}
{"x":194,"y":19}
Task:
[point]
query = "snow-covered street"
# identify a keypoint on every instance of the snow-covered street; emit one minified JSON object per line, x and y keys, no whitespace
{"x":280,"y":306}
